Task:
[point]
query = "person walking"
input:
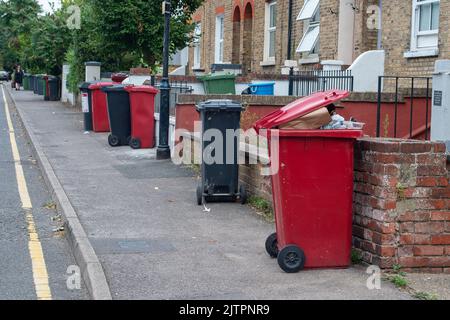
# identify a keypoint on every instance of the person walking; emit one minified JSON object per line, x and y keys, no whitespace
{"x":19,"y":77}
{"x":13,"y":78}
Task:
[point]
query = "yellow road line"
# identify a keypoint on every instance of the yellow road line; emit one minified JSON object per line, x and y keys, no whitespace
{"x":40,"y":275}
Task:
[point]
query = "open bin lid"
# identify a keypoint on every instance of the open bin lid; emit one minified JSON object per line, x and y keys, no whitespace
{"x":299,"y":108}
{"x":143,"y":88}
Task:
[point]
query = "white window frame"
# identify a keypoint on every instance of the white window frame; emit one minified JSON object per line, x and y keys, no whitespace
{"x":415,"y":26}
{"x":219,"y":39}
{"x":197,"y":46}
{"x":310,"y":15}
{"x":308,"y":10}
{"x":268,"y":59}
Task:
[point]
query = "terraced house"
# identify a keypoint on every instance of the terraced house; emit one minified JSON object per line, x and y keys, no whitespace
{"x":267,"y":36}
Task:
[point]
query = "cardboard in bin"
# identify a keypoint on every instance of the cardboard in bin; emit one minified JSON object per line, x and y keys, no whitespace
{"x":310,"y":121}
{"x":301,"y":108}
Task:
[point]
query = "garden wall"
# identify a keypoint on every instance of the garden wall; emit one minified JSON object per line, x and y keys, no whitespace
{"x":401,"y":202}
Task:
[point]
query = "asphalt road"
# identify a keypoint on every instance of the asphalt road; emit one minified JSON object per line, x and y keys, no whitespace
{"x":23,"y":271}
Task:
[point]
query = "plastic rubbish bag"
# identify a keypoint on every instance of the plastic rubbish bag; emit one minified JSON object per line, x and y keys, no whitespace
{"x":338,"y":122}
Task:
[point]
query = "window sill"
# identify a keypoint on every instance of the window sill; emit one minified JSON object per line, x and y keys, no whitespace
{"x":421,"y":53}
{"x":309,"y":60}
{"x":267,"y":63}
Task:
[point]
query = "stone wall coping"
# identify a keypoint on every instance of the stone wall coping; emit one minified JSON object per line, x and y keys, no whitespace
{"x":370,"y":97}
{"x":184,"y":99}
{"x":245,"y":148}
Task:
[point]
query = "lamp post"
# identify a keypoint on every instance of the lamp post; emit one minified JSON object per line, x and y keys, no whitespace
{"x":163,"y":151}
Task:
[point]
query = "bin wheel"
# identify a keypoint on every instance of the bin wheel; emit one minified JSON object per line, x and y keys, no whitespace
{"x":199,"y":195}
{"x":113,"y":140}
{"x":291,"y":259}
{"x":135,"y":143}
{"x":272,"y":245}
{"x":243,"y":194}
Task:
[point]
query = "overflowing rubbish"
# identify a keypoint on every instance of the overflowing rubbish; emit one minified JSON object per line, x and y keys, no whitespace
{"x":325,"y":118}
{"x":312,"y":230}
{"x":338,"y":122}
{"x":310,"y":121}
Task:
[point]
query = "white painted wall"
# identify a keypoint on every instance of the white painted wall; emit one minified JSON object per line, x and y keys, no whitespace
{"x":180,"y":58}
{"x":346,"y":31}
{"x":171,"y":131}
{"x":440,"y":115}
{"x":136,"y":80}
{"x":93,"y":72}
{"x":66,"y":96}
{"x":366,"y":69}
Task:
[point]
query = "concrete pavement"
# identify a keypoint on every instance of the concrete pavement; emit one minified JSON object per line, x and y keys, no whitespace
{"x":16,"y":265}
{"x":153,"y":241}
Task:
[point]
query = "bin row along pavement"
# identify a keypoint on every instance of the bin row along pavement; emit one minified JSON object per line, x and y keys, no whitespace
{"x":153,"y":240}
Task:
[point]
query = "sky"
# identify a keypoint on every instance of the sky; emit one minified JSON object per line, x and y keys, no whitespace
{"x":45,"y":4}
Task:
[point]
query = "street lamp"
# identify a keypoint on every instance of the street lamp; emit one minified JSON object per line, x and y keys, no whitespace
{"x":163,"y":151}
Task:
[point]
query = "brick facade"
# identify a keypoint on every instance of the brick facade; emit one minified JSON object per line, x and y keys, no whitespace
{"x":244,"y":37}
{"x":396,"y":39}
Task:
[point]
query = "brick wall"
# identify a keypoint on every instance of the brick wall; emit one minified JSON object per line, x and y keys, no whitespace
{"x":402,"y":204}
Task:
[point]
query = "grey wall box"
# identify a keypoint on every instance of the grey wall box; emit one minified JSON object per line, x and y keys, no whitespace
{"x":440,"y":116}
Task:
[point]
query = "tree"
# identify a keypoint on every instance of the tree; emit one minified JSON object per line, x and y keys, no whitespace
{"x":17,"y":18}
{"x":136,"y":27}
{"x":49,"y":43}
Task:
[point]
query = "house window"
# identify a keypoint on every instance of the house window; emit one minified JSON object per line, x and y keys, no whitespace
{"x":310,"y":15}
{"x":270,"y":34}
{"x":197,"y":47}
{"x":219,"y":39}
{"x":425,"y":25}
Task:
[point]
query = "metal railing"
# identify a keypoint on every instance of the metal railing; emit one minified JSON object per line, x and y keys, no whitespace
{"x":176,"y":88}
{"x":305,"y":83}
{"x":413,"y":88}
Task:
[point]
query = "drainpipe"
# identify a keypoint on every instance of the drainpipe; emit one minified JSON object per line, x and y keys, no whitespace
{"x":380,"y":24}
{"x":289,"y":44}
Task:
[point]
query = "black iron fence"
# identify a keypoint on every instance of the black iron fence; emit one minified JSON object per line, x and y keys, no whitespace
{"x":304,"y":83}
{"x":176,"y":88}
{"x":408,"y":112}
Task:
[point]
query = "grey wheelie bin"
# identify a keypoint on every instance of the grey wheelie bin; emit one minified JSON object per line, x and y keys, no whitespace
{"x":119,"y":114}
{"x":220,"y":174}
{"x":86,"y":105}
{"x":54,"y":93}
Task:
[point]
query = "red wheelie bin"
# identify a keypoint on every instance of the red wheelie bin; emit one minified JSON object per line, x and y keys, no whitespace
{"x":100,"y":120}
{"x":142,"y":106}
{"x":312,"y":188}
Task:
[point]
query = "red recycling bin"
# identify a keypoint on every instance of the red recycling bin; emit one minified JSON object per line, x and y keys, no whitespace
{"x":312,"y":189}
{"x":142,"y":106}
{"x":100,"y":119}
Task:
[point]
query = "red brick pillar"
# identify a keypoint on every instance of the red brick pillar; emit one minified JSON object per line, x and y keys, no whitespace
{"x":402,"y":204}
